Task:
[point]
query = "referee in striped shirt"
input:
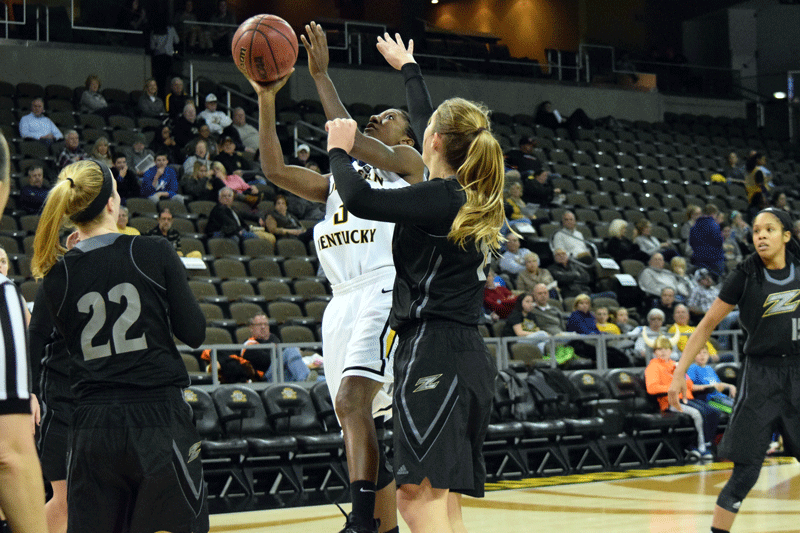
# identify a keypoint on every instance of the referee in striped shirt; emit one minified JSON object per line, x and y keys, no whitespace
{"x":21,"y":487}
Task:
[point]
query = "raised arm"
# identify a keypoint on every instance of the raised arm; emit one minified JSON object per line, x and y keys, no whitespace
{"x":401,"y":159}
{"x":302,"y":181}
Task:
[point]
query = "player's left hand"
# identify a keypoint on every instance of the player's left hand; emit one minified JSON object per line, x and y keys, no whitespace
{"x":36,"y":413}
{"x":341,"y":133}
{"x":394,"y":51}
{"x":271,"y":88}
{"x":317,"y":47}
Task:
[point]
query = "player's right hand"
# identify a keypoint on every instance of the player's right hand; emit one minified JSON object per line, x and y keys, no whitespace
{"x":317,"y":47}
{"x":341,"y":133}
{"x":676,"y":389}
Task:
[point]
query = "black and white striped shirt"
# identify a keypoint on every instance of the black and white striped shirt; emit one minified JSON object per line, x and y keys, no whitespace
{"x":14,"y":372}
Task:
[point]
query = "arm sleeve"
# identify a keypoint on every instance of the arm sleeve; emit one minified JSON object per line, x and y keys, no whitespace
{"x":420,"y":107}
{"x":39,"y":332}
{"x":428,"y":203}
{"x":25,"y":130}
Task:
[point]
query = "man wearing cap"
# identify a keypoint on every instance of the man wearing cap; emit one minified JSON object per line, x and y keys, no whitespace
{"x":233,"y":161}
{"x":137,"y":155}
{"x":537,"y":187}
{"x":216,"y":120}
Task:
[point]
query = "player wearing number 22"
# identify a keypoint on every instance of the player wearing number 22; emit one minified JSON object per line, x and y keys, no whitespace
{"x":118,"y":300}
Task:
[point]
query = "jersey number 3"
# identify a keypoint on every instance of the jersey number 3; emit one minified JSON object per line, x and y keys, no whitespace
{"x":94,"y":303}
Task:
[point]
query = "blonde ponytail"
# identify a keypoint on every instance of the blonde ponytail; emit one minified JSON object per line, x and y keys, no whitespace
{"x":472,"y":150}
{"x":78,"y":184}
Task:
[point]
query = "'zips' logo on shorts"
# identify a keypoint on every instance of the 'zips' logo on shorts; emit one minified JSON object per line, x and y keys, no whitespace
{"x":427,"y":383}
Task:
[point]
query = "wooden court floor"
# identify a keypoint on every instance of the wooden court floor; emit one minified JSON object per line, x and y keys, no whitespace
{"x":676,"y":499}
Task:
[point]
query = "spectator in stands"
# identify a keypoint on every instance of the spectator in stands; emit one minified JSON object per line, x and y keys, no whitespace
{"x":683,"y":283}
{"x":204,"y":134}
{"x":73,"y":151}
{"x":497,"y":299}
{"x":164,"y":229}
{"x":176,"y":100}
{"x":222,"y":35}
{"x":234,"y":162}
{"x":707,"y":386}
{"x":538,"y":189}
{"x":733,"y":171}
{"x":248,"y":134}
{"x":164,"y":141}
{"x":139,"y":158}
{"x":705,"y":239}
{"x":294,"y":369}
{"x":94,"y":102}
{"x":201,"y":155}
{"x":782,"y":202}
{"x":649,"y":244}
{"x":302,"y":156}
{"x":163,"y":39}
{"x":619,"y":246}
{"x":654,"y":278}
{"x":150,"y":105}
{"x":703,"y":293}
{"x":194,"y":35}
{"x":160,"y":182}
{"x":549,"y":117}
{"x":281,"y":223}
{"x":33,"y":195}
{"x":570,"y":239}
{"x":522,"y":324}
{"x":654,"y":328}
{"x":128,"y":183}
{"x":101,"y":151}
{"x":730,"y":247}
{"x":244,"y":192}
{"x":122,"y":222}
{"x":658,"y":377}
{"x":547,"y":317}
{"x":520,"y":217}
{"x":755,"y":179}
{"x":513,"y":259}
{"x":524,"y":159}
{"x":603,"y":325}
{"x":223,"y":221}
{"x":623,"y":321}
{"x":573,"y":279}
{"x":757,"y":203}
{"x":216,"y":120}
{"x":132,"y":16}
{"x":680,"y":318}
{"x":533,"y":275}
{"x":36,"y":126}
{"x":582,"y":320}
{"x":201,"y":184}
{"x":187,"y":125}
{"x":693,"y":212}
{"x":666,"y":304}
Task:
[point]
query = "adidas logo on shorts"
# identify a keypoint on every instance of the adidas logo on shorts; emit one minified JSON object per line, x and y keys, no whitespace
{"x":402,"y":471}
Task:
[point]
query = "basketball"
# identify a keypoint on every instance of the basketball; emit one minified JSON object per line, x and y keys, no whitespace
{"x":264,"y":48}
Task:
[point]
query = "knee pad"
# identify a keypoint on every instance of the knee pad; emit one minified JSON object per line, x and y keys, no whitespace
{"x":385,"y":470}
{"x":742,"y":480}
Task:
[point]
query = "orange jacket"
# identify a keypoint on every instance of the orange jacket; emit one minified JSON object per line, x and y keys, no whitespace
{"x":658,"y":377}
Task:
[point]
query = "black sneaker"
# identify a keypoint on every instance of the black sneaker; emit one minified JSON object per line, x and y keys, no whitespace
{"x":352,"y":526}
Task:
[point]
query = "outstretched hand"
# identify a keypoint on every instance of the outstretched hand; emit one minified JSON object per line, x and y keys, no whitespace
{"x":317,"y":47}
{"x":341,"y":133}
{"x":394,"y":51}
{"x":270,"y":88}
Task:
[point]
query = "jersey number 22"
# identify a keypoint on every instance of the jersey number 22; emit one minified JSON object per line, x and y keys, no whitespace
{"x":93,"y":302}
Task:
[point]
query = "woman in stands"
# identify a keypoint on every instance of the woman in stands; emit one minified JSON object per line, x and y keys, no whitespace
{"x":358,"y":342}
{"x":766,"y":286}
{"x":118,"y":300}
{"x":445,"y":230}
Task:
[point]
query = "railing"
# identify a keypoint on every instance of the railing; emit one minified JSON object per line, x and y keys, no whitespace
{"x":502,"y":349}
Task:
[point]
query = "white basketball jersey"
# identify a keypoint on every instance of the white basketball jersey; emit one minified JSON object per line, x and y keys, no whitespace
{"x":348,"y":246}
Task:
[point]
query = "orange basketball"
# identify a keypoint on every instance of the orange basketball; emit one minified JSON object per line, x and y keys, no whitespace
{"x":264,"y":48}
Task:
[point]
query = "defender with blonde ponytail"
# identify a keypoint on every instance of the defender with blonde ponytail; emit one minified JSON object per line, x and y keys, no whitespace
{"x":445,"y":229}
{"x":119,"y":301}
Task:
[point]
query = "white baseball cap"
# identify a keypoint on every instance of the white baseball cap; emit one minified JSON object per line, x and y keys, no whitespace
{"x":301,"y":148}
{"x":211,"y":97}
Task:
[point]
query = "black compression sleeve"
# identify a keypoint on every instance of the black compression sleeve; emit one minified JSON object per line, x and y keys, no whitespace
{"x":39,"y":331}
{"x":418,"y":99}
{"x":430,"y":203}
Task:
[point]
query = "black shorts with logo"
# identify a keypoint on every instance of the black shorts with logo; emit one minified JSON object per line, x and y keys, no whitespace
{"x":444,"y":385}
{"x":135,"y":465}
{"x":768,"y":400}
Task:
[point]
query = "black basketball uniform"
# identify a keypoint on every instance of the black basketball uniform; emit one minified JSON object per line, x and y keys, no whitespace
{"x":134,"y":461}
{"x":444,"y":375}
{"x":50,"y":371}
{"x":769,"y":394}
